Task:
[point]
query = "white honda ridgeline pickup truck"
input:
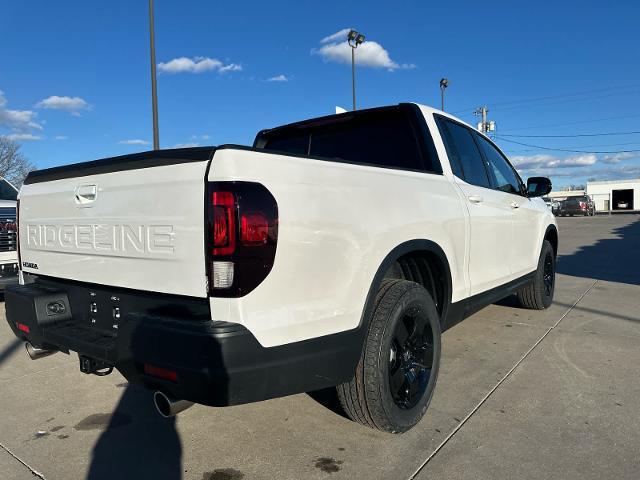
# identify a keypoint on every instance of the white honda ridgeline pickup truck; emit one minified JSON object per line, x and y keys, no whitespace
{"x":332,"y":253}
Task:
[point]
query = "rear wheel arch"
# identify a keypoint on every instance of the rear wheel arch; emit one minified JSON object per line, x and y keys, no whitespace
{"x":421,"y":261}
{"x":551,"y":235}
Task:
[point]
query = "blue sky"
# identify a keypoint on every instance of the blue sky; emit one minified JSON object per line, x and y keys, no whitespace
{"x":75,"y":74}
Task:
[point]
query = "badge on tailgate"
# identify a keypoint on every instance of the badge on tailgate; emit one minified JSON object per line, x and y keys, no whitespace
{"x":86,"y":194}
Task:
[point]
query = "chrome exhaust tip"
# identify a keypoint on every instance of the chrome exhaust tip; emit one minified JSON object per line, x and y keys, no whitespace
{"x":168,"y":406}
{"x":36,"y":353}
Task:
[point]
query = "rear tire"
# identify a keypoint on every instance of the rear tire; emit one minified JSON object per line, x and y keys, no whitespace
{"x":396,"y":375}
{"x":538,"y":294}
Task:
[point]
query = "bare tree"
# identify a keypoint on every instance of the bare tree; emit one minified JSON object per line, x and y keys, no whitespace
{"x":14,"y":166}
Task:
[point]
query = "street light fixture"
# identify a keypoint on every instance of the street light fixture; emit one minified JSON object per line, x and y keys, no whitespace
{"x":354,"y":39}
{"x":444,"y":83}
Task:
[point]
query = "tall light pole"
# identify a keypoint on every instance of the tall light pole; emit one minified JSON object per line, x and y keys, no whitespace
{"x":354,"y":39}
{"x":444,"y":83}
{"x":154,"y":92}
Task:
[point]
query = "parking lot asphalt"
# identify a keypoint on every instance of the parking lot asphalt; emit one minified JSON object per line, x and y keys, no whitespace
{"x":521,"y":394}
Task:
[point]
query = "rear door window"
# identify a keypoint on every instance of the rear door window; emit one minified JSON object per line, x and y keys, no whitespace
{"x":465,"y":158}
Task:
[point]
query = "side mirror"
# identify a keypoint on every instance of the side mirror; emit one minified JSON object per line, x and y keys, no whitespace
{"x":538,"y":186}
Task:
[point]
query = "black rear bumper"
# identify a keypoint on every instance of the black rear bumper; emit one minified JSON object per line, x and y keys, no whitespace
{"x":215,"y":363}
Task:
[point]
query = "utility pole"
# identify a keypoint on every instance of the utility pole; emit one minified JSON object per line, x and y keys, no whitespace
{"x":154,"y":91}
{"x":485,"y":126}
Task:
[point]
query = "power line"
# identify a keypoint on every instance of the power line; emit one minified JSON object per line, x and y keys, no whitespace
{"x":553,"y":97}
{"x":567,"y":95}
{"x":572,"y":136}
{"x":566,"y":100}
{"x":547,"y":125}
{"x":564,"y":149}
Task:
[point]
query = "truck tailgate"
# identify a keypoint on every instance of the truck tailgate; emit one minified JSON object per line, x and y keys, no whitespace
{"x":134,"y":222}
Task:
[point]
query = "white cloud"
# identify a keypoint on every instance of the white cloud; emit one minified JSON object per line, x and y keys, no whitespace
{"x":185,"y":145}
{"x":23,"y":137}
{"x":278,"y":78}
{"x":619,"y":172}
{"x":134,"y":141}
{"x":197,"y":65}
{"x":369,"y":54}
{"x":531,"y":162}
{"x":340,"y":36}
{"x":60,"y":137}
{"x":73,"y":105}
{"x":19,"y":121}
{"x":204,"y":136}
{"x":232,"y":67}
{"x":619,"y":157}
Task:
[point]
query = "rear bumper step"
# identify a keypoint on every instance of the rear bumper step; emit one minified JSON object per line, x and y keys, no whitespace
{"x":174,"y":350}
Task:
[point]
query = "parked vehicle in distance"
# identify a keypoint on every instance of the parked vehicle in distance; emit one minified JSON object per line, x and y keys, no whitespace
{"x":579,"y":205}
{"x":552,"y":204}
{"x":623,"y":205}
{"x":331,"y":253}
{"x":8,"y":239}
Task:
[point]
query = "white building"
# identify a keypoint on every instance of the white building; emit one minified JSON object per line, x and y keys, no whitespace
{"x":564,"y":194}
{"x":616,"y":195}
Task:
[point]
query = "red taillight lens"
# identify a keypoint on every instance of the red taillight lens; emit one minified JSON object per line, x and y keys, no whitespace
{"x":224,"y":223}
{"x":254,"y":229}
{"x":220,"y":227}
{"x":162,"y":373}
{"x":583,"y":205}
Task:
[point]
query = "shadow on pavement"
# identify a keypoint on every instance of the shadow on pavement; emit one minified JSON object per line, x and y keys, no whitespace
{"x":611,"y":260}
{"x":10,"y":349}
{"x":137,"y":442}
{"x":604,"y":313}
{"x":328,"y":398}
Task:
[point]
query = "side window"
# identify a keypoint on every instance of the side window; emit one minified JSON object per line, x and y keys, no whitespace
{"x":504,"y":175}
{"x":463,"y":153}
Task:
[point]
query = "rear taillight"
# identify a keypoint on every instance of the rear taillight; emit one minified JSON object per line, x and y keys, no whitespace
{"x":242,"y":237}
{"x":583,"y":205}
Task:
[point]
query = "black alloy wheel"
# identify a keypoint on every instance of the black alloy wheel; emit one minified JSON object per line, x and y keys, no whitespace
{"x":398,"y":368}
{"x":410,"y":359}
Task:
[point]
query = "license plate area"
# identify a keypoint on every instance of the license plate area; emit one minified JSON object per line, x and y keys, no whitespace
{"x":99,"y":311}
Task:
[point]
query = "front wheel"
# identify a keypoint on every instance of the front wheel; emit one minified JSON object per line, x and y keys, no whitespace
{"x":396,"y":375}
{"x":538,"y":294}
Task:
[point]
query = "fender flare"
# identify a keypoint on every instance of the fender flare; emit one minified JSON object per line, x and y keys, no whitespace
{"x":410,"y":246}
{"x":551,"y":228}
